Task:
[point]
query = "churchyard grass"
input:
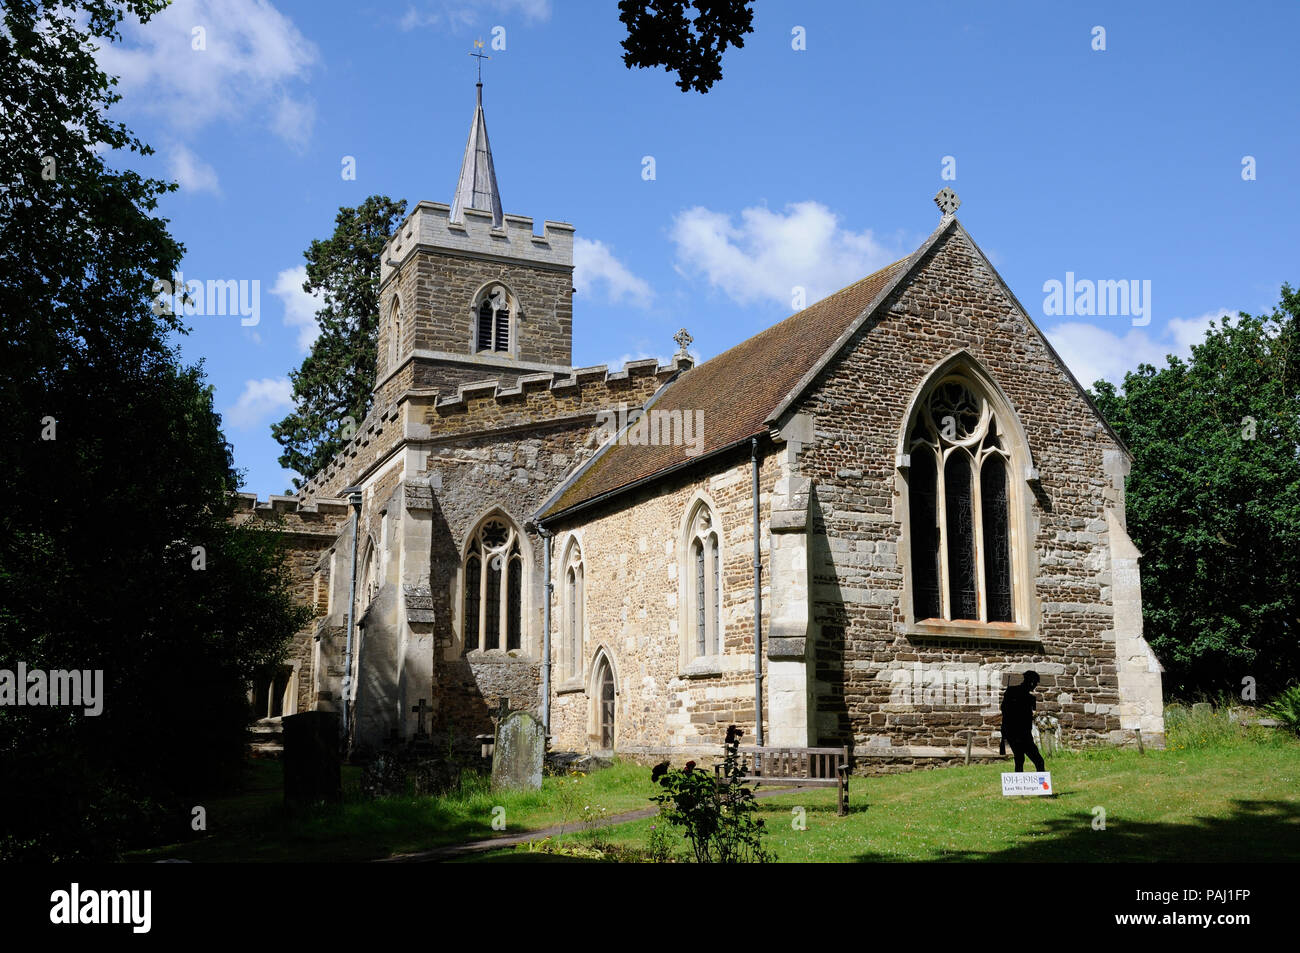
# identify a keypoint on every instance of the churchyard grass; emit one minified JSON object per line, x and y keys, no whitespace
{"x":252,"y":826}
{"x":1217,"y":793}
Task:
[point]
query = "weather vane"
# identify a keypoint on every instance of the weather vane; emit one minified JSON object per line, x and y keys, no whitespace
{"x":480,"y":56}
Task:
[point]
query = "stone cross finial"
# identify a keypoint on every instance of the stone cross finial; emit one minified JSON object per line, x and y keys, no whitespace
{"x":947,"y":201}
{"x":683,"y":339}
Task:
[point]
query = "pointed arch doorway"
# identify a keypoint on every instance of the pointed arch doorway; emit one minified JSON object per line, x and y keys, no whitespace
{"x":604,"y":704}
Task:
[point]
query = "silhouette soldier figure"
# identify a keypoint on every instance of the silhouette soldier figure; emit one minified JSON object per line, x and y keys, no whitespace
{"x":1017,"y":721}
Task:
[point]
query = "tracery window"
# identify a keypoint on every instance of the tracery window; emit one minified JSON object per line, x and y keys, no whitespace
{"x":704,"y":583}
{"x":959,"y":522}
{"x":493,"y":575}
{"x":573,"y":609}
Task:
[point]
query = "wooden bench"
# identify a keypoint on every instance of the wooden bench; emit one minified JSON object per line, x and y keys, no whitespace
{"x":799,"y":767}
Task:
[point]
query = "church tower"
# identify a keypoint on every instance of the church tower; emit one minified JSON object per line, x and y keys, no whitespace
{"x":469,"y":293}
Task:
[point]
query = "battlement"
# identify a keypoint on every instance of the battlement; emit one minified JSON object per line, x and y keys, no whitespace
{"x":429,"y":225}
{"x":315,"y":517}
{"x":488,"y":405}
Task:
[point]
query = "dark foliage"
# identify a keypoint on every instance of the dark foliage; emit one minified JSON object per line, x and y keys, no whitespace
{"x":332,"y":388}
{"x":115,"y":469}
{"x":662,"y":33}
{"x":1214,"y":503}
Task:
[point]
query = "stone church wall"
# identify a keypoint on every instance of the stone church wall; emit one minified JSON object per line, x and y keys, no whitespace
{"x":480,"y":406}
{"x":307,"y":533}
{"x":484,"y":447}
{"x":631,"y":563}
{"x":859,"y":404}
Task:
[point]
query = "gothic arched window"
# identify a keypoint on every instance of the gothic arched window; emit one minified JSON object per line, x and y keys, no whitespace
{"x":703,"y":583}
{"x":573,"y":609}
{"x":494,"y":570}
{"x":959,"y":518}
{"x":492,"y":319}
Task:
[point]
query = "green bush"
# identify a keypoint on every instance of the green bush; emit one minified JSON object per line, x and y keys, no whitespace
{"x":1286,"y":708}
{"x":717,"y":814}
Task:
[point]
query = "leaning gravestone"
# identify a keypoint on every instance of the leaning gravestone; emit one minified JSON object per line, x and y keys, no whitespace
{"x":518,"y":752}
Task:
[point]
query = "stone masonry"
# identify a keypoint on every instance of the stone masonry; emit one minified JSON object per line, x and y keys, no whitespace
{"x":459,"y":436}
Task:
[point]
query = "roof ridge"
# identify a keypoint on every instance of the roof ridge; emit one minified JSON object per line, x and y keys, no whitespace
{"x":820,"y":302}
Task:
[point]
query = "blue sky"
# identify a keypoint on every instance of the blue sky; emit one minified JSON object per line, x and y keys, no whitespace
{"x":803,"y":168}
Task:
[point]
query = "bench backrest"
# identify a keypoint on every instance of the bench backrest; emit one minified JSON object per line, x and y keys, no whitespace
{"x":794,"y":762}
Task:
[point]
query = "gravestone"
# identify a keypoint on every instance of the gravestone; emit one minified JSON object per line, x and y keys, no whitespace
{"x":311,"y":758}
{"x":518,"y":752}
{"x":421,"y":711}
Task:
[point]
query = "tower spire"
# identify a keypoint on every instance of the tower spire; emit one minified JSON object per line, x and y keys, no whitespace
{"x":477,"y":186}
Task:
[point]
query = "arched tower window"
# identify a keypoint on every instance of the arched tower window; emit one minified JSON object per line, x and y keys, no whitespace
{"x":573,"y":609}
{"x":702,"y":589}
{"x":493,"y":574}
{"x":959,"y":507}
{"x":493,"y":312}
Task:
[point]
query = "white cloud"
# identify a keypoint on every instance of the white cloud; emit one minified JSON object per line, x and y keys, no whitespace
{"x":769,"y":254}
{"x":191,"y":172}
{"x":1097,"y":353}
{"x":293,"y":121}
{"x":594,"y":264}
{"x":251,"y":67}
{"x":299,"y":307}
{"x":260,"y":400}
{"x":638,"y":356}
{"x":457,"y":14}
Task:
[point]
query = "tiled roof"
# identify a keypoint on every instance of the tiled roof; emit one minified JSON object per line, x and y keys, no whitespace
{"x":736,"y":391}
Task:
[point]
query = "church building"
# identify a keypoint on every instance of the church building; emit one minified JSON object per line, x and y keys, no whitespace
{"x":854,"y":528}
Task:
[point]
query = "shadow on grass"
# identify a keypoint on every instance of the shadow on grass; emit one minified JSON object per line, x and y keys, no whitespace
{"x":1255,"y":831}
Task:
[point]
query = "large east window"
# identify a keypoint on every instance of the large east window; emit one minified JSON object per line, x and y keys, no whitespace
{"x":959,"y":508}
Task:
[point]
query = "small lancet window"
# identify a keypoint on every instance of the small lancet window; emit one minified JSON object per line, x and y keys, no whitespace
{"x":574,"y":574}
{"x":704,"y":584}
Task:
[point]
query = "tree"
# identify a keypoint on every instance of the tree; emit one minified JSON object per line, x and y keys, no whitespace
{"x":116,"y":470}
{"x":661,"y":33}
{"x":1214,"y":502}
{"x":332,"y":388}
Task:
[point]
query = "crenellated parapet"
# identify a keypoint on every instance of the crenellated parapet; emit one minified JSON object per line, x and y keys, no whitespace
{"x":490,"y":405}
{"x":429,"y":225}
{"x":291,"y":514}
